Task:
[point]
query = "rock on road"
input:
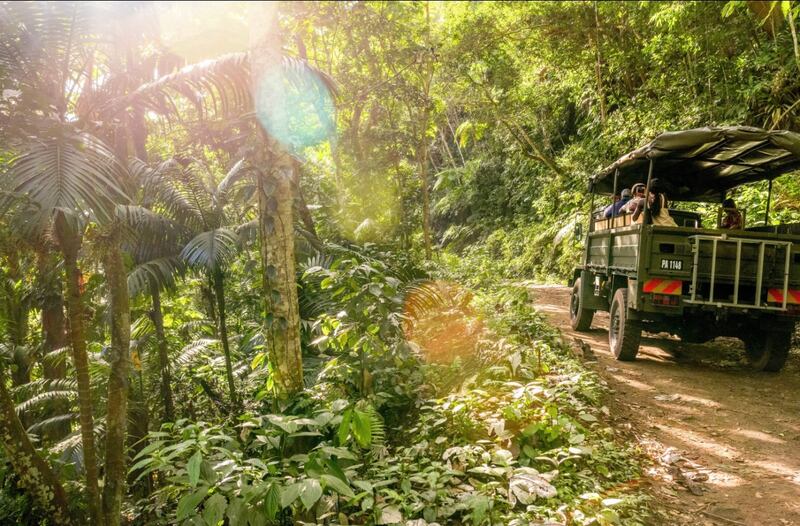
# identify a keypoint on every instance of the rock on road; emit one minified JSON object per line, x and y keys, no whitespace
{"x":729,"y":434}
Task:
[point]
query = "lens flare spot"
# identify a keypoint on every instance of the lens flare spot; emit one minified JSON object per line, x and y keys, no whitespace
{"x":441,"y":323}
{"x":295,"y":106}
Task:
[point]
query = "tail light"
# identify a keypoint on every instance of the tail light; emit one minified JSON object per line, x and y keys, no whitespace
{"x":666,"y":299}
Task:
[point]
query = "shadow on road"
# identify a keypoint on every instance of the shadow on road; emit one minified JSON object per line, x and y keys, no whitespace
{"x":738,"y":426}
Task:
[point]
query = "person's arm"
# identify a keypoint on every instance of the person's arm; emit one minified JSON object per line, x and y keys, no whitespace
{"x":638,"y":208}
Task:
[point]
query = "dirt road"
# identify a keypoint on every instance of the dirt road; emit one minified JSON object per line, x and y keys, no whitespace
{"x":697,"y":412}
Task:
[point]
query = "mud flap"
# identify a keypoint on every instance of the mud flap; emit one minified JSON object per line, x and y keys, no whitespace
{"x":633,"y":293}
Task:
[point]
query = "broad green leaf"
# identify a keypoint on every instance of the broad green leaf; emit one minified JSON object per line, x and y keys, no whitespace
{"x":362,"y":428}
{"x":337,"y":484}
{"x":255,"y":517}
{"x":193,"y":467}
{"x":310,"y":493}
{"x":289,"y":494}
{"x":258,"y":359}
{"x":189,"y":502}
{"x":272,"y":501}
{"x":344,"y":427}
{"x":335,"y":470}
{"x":214,"y":509}
{"x":237,"y":512}
{"x":207,"y":472}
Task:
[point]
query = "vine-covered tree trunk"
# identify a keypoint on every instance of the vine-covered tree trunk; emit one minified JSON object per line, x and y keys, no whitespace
{"x":53,"y":333}
{"x":34,"y":474}
{"x":117,"y":405}
{"x":163,"y":354}
{"x":70,"y":242}
{"x":276,"y":221}
{"x":219,"y":292}
{"x":282,"y":324}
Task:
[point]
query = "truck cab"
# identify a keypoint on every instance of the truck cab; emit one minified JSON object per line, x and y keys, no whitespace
{"x":693,"y":280}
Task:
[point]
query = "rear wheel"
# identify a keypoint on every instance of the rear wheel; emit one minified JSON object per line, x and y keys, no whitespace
{"x":768,"y":350}
{"x":624,"y":334}
{"x":580,"y":318}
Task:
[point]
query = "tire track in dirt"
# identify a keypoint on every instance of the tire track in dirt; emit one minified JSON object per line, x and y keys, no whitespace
{"x":738,"y":427}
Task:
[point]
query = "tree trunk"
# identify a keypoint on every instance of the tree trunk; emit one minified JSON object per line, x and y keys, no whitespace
{"x":163,"y":355}
{"x":219,"y":292}
{"x":447,"y":148}
{"x":70,"y":243}
{"x":302,"y":207}
{"x":598,"y":66}
{"x":117,"y":405}
{"x":426,"y":200}
{"x":276,"y":230}
{"x":34,"y":474}
{"x":54,"y":335}
{"x":282,"y":323}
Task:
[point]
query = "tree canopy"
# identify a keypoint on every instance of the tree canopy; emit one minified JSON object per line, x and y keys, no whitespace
{"x":259,"y":264}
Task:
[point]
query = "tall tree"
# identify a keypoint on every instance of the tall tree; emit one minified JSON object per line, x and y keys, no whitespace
{"x":275,"y":208}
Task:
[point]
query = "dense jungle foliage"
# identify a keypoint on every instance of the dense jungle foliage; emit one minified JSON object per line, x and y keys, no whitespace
{"x":260,"y":264}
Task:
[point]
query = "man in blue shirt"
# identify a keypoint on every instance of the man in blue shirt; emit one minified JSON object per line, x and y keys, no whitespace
{"x":613,"y":209}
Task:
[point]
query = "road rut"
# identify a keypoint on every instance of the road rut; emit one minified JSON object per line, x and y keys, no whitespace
{"x":697,"y":412}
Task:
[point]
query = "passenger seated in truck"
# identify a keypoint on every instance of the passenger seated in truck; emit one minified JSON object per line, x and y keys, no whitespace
{"x":733,"y":217}
{"x":613,"y":210}
{"x":657,"y":203}
{"x":636,"y":201}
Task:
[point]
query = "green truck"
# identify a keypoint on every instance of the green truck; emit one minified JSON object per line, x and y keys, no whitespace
{"x":693,"y":280}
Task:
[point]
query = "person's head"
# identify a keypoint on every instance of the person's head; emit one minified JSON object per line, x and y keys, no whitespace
{"x":625,"y":195}
{"x":638,"y":190}
{"x":729,"y":203}
{"x":653,"y":198}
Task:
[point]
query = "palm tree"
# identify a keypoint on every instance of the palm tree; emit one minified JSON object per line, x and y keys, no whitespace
{"x":225,"y":87}
{"x":63,"y":172}
{"x":188,"y":193}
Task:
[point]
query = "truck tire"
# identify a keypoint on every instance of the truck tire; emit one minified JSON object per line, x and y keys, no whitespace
{"x":768,"y":350}
{"x":624,"y":334}
{"x":580,"y":319}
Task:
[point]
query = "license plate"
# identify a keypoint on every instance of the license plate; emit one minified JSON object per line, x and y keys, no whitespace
{"x":671,"y":264}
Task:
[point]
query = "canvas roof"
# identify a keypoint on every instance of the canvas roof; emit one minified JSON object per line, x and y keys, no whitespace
{"x":702,"y":164}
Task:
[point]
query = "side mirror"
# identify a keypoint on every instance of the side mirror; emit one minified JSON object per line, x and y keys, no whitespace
{"x":578,"y":230}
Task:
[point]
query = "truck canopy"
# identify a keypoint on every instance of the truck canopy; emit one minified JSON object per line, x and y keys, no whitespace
{"x":702,"y":164}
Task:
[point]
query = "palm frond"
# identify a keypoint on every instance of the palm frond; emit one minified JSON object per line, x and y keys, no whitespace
{"x":239,"y":170}
{"x":195,"y":350}
{"x":148,"y":235}
{"x":45,"y":384}
{"x":53,"y":421}
{"x":221,"y":85}
{"x":142,"y":327}
{"x":164,"y":189}
{"x":163,"y":272}
{"x":211,"y":250}
{"x":56,"y":356}
{"x":68,"y":170}
{"x":44,"y":397}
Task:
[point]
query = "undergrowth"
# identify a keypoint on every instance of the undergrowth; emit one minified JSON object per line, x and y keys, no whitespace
{"x":505,"y":428}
